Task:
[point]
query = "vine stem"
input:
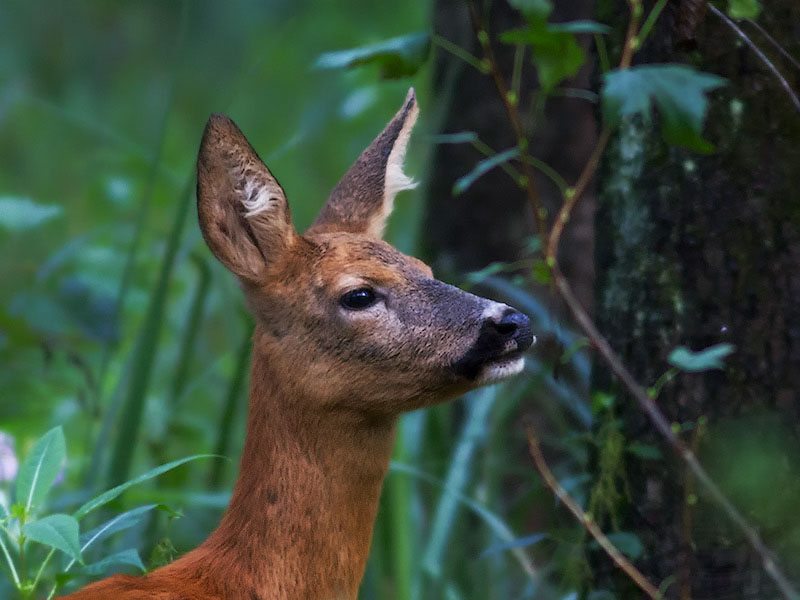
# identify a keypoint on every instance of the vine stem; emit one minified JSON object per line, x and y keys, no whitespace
{"x":757,"y":51}
{"x":571,"y":196}
{"x":586,"y":520}
{"x":664,"y":427}
{"x":511,"y":103}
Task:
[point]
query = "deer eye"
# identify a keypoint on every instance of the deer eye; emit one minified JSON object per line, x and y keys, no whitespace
{"x":358,"y":299}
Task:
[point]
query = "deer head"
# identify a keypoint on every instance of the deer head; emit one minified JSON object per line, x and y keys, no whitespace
{"x":353,"y":322}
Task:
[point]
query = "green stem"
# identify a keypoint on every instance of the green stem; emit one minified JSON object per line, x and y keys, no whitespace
{"x":41,"y":568}
{"x":458,"y":52}
{"x":14,"y":574}
{"x":650,"y":21}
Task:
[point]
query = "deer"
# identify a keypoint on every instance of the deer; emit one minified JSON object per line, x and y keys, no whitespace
{"x":349,"y":334}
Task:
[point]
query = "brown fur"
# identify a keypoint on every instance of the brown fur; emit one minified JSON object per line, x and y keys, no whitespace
{"x":327,"y":382}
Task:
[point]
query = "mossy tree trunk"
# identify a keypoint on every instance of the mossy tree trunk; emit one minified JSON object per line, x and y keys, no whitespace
{"x":697,"y":250}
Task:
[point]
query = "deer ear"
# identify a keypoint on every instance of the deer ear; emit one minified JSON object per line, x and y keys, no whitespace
{"x":363,"y":199}
{"x":242,"y":208}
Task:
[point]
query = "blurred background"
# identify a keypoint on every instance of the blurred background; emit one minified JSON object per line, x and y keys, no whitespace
{"x":117,"y":323}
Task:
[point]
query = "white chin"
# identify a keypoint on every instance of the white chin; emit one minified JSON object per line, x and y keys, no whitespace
{"x":500,"y":370}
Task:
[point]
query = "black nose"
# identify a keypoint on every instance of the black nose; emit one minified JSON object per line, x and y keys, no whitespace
{"x":513,"y":325}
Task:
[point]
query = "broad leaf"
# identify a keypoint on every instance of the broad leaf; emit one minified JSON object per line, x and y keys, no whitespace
{"x":533,"y":9}
{"x":705,"y":360}
{"x":20,"y":214}
{"x":128,"y":557}
{"x":58,"y":531}
{"x":556,"y":53}
{"x":40,"y":469}
{"x":744,"y":9}
{"x":397,"y":57}
{"x":113,"y":493}
{"x":627,"y":543}
{"x":483,"y":167}
{"x":580,"y":27}
{"x":678,"y":91}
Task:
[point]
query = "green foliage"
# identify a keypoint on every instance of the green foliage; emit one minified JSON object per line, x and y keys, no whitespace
{"x":744,"y":9}
{"x":57,"y":531}
{"x":396,"y":58}
{"x":678,"y":91}
{"x":19,"y":214}
{"x":705,"y":360}
{"x":462,"y":184}
{"x":39,"y":471}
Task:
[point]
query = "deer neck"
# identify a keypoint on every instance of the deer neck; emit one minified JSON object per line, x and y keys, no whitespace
{"x":300,"y":519}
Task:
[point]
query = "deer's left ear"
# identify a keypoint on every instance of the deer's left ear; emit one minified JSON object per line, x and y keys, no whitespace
{"x":363,"y":199}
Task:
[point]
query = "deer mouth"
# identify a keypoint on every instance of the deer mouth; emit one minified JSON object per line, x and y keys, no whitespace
{"x":484,"y":365}
{"x":501,"y":368}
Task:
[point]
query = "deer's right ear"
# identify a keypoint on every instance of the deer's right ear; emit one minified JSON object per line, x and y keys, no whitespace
{"x":242,"y":208}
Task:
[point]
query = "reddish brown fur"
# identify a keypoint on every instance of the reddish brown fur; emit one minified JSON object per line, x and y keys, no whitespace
{"x":327,"y":383}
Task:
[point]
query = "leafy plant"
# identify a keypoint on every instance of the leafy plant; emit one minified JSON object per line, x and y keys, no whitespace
{"x":29,"y":539}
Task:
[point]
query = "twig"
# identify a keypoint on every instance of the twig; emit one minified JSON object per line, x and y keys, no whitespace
{"x":586,"y":520}
{"x":774,"y":42}
{"x":662,"y":424}
{"x":572,"y":196}
{"x":757,"y":51}
{"x":511,"y":104}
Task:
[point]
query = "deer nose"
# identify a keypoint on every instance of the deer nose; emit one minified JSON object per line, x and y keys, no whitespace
{"x":513,"y":325}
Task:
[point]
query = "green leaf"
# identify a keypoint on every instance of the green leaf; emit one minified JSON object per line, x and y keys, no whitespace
{"x":678,"y":91}
{"x":397,"y":57}
{"x":541,"y":272}
{"x":129,"y":557}
{"x":556,"y":53}
{"x":627,"y":543}
{"x":523,"y":542}
{"x":483,"y":167}
{"x":704,"y":360}
{"x":57,"y":531}
{"x":744,"y":9}
{"x":20,"y":214}
{"x":645,"y":451}
{"x":533,"y":9}
{"x":113,"y":493}
{"x":40,"y":469}
{"x":119,"y":522}
{"x":579,"y":27}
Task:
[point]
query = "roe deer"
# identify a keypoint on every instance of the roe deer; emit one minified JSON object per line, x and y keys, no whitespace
{"x":349,"y":334}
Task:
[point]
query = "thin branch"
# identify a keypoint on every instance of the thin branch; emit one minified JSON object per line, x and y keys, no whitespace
{"x":586,"y":520}
{"x":511,"y":104}
{"x":757,"y":51}
{"x":572,"y":196}
{"x":458,"y":52}
{"x":663,"y":426}
{"x":774,"y":42}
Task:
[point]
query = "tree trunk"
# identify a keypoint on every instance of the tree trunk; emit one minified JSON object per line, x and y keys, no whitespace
{"x":696,"y":250}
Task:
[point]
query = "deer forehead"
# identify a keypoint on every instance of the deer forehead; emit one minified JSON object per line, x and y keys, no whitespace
{"x":348,"y":261}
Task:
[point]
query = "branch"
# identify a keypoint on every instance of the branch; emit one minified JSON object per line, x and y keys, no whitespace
{"x":662,"y":424}
{"x":586,"y":520}
{"x":572,"y":196}
{"x":513,"y":115}
{"x":757,"y":51}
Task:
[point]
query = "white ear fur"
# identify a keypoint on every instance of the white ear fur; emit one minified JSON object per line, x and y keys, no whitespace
{"x":395,"y":179}
{"x":259,"y":197}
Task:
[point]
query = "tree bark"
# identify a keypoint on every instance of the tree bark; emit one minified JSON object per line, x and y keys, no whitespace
{"x":696,"y":250}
